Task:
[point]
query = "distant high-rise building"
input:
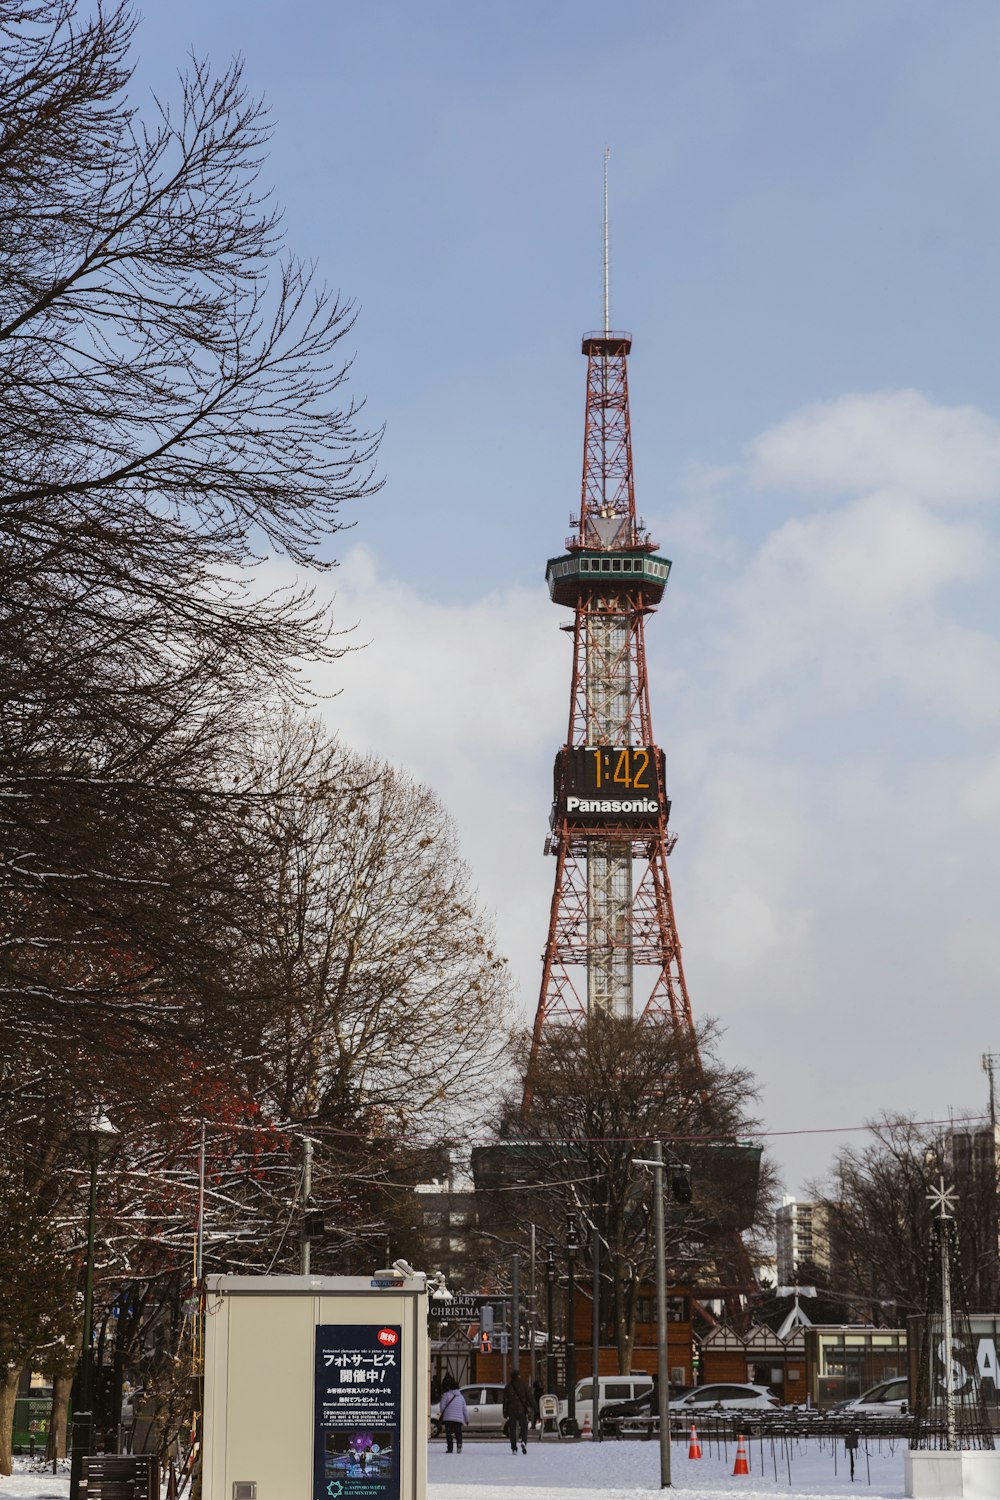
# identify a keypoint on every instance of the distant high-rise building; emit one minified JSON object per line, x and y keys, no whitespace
{"x":971,"y":1159}
{"x":972,"y":1151}
{"x":803,"y":1239}
{"x":446,"y":1212}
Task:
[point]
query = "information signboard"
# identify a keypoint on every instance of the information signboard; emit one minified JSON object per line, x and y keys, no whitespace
{"x":357,"y":1411}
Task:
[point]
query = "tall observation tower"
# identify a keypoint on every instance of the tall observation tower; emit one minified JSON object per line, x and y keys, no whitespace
{"x":612,"y":942}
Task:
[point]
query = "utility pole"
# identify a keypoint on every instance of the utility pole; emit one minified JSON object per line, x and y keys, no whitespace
{"x":550,"y":1288}
{"x":515,"y":1322}
{"x":199,"y":1254}
{"x":662,"y":1344}
{"x":595,"y":1363}
{"x":681,"y":1190}
{"x":307,"y":1180}
{"x":989,"y":1061}
{"x":533,"y":1310}
{"x":198,"y":1313}
{"x":99,"y":1137}
{"x":571,"y":1248}
{"x":83,"y":1418}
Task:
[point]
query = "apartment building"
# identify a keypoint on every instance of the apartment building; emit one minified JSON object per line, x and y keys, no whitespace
{"x":803,"y":1239}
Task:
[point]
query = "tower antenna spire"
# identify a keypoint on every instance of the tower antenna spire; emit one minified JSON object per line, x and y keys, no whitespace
{"x":607,"y":265}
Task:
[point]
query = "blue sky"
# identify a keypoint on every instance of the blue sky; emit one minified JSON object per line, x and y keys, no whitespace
{"x":804,"y":230}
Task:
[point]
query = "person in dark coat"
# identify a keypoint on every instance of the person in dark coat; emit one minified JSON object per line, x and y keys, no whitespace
{"x":519,"y":1405}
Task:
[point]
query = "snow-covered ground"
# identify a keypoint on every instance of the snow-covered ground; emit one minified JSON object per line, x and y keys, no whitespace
{"x":553,"y":1470}
{"x":27,"y":1481}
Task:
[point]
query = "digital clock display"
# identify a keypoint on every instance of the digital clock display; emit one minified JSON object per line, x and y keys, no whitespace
{"x":611,"y":783}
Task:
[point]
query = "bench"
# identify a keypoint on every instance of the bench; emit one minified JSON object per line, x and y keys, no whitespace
{"x":114,"y":1476}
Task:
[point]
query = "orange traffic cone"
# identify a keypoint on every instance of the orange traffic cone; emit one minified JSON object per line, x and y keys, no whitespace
{"x":587,"y":1429}
{"x":694,"y":1447}
{"x":741,"y":1466}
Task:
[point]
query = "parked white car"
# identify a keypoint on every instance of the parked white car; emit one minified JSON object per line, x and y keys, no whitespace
{"x":888,"y":1399}
{"x":610,"y":1388}
{"x":708,"y":1398}
{"x":485,"y":1403}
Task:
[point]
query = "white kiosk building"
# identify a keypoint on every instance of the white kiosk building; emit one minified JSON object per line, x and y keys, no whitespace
{"x":316,"y":1387}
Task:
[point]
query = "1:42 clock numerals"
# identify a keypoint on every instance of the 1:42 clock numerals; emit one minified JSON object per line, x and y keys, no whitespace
{"x":626,"y":767}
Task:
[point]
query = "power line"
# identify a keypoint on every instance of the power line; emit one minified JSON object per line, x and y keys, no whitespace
{"x":451,"y":1139}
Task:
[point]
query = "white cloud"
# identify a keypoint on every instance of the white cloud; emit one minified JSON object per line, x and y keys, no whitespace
{"x":745,"y":881}
{"x":836,"y":910}
{"x":857,"y":598}
{"x":866,"y":560}
{"x":440,"y":682}
{"x":981,"y":791}
{"x":885,"y":440}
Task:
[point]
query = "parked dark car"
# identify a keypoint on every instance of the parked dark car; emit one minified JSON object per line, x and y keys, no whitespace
{"x":646,"y":1405}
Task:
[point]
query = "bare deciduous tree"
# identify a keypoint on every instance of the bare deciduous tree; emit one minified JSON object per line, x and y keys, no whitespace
{"x":173,"y":409}
{"x":34,"y":1295}
{"x":601,"y":1093}
{"x":386,"y":998}
{"x":879,"y":1215}
{"x":181,"y":923}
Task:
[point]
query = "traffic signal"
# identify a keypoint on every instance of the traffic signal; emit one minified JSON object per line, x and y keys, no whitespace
{"x":313,"y":1227}
{"x":680,"y":1187}
{"x":485,"y":1328}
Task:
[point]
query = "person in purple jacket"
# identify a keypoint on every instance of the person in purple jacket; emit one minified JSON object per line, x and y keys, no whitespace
{"x":454,"y":1415}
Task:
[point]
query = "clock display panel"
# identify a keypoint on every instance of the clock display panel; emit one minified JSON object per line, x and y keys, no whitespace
{"x":611,"y":783}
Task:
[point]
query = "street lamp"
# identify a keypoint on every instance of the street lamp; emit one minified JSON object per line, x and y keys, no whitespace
{"x":572,"y":1246}
{"x":550,"y":1288}
{"x":99,"y":1137}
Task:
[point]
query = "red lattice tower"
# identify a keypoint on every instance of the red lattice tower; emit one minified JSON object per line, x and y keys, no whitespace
{"x":612,"y":942}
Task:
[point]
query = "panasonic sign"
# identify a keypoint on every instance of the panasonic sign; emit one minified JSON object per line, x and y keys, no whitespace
{"x":612,"y":805}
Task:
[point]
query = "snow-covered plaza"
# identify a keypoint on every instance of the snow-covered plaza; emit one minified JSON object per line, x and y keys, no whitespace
{"x":551,"y":1470}
{"x":626,"y":1470}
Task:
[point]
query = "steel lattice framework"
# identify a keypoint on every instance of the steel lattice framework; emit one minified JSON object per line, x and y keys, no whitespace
{"x":612,"y":940}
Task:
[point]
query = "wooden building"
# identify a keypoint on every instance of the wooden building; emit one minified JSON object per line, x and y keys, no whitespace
{"x":759,"y":1357}
{"x":680,"y":1342}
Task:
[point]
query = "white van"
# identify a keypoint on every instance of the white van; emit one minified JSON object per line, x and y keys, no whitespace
{"x":610,"y":1388}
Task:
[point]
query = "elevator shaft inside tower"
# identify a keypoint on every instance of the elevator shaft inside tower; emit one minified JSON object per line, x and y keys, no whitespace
{"x":608,"y":676}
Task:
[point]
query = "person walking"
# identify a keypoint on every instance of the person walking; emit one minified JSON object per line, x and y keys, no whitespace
{"x":454,"y":1415}
{"x":518,"y":1405}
